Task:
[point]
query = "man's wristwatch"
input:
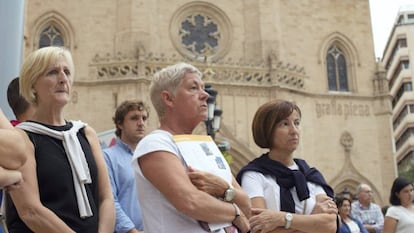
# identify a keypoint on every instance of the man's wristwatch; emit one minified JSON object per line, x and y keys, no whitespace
{"x":229,"y":194}
{"x":288,"y":219}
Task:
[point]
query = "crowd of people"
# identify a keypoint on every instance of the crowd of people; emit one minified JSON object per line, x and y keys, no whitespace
{"x":59,"y":179}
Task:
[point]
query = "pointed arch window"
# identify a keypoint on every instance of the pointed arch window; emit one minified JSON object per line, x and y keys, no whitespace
{"x":51,"y":36}
{"x":337,"y":69}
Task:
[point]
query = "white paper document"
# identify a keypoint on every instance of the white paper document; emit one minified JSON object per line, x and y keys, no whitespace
{"x":202,"y":153}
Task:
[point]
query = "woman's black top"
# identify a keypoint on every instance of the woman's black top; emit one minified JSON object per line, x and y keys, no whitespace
{"x":55,"y":182}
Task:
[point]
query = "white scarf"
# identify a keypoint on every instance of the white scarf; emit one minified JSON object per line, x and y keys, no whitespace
{"x":76,"y":157}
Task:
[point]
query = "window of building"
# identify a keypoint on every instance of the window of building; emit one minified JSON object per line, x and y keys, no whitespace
{"x":201,"y":31}
{"x":400,"y":43}
{"x":199,"y":34}
{"x":408,"y":109}
{"x":405,"y":64}
{"x":51,"y":36}
{"x":404,"y":137}
{"x":400,"y":19}
{"x":406,"y":165}
{"x":337,"y":69}
{"x":405,"y":87}
{"x":410,"y":18}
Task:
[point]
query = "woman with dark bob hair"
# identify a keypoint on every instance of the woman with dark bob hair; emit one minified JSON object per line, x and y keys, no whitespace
{"x":400,"y":215}
{"x":284,"y":191}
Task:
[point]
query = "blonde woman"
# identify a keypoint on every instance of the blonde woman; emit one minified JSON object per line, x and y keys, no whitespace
{"x":65,"y":184}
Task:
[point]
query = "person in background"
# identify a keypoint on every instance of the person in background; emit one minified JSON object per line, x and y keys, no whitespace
{"x":366,"y":211}
{"x":22,"y":109}
{"x":284,"y":191}
{"x":130,"y":121}
{"x":349,"y":224}
{"x":65,"y":184}
{"x":169,"y":200}
{"x":14,"y":146}
{"x":400,"y":215}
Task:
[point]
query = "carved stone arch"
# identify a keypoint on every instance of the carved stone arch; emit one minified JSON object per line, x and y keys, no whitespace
{"x":347,"y":184}
{"x":348,"y":49}
{"x":53,"y":18}
{"x":343,"y":42}
{"x":348,"y":176}
{"x":351,"y":184}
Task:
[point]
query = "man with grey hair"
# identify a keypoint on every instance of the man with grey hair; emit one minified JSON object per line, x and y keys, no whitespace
{"x":366,"y":211}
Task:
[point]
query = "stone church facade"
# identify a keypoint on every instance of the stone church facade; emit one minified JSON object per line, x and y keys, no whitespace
{"x":317,"y":53}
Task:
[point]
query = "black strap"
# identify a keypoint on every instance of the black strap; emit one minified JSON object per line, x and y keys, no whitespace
{"x":337,"y":224}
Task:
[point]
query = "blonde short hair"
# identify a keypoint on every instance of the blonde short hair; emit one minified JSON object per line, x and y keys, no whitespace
{"x":168,"y":79}
{"x":37,"y":64}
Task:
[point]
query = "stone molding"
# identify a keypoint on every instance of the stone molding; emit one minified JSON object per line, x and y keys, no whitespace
{"x":348,"y":175}
{"x":262,"y":74}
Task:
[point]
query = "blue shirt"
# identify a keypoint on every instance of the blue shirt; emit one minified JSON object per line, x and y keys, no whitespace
{"x":128,"y":212}
{"x":371,"y":215}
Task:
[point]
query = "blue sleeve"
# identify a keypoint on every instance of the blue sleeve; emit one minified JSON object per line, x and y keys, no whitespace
{"x":123,"y":223}
{"x":343,"y":228}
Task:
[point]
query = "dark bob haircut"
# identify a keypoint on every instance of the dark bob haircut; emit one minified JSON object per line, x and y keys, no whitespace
{"x":267,"y":117}
{"x":339,"y":201}
{"x":397,"y":186}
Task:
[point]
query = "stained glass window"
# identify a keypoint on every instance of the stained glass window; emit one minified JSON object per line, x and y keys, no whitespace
{"x":199,"y":34}
{"x":336,"y":70}
{"x":51,"y":36}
